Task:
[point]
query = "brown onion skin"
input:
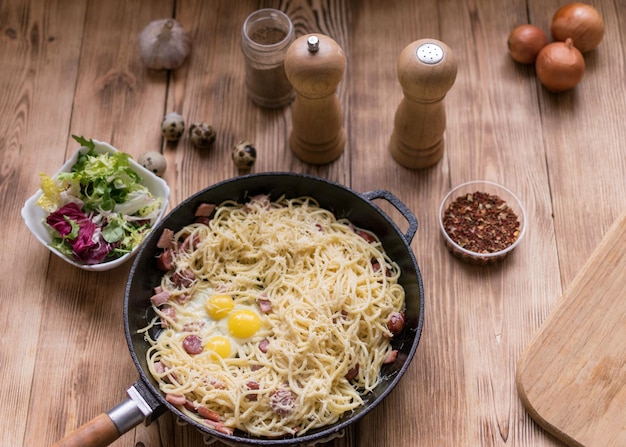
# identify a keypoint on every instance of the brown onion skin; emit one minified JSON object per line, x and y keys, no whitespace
{"x":580,"y":22}
{"x":525,"y":42}
{"x":560,"y":66}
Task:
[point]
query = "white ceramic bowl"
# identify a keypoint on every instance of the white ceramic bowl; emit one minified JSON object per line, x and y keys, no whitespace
{"x":493,"y":189}
{"x":34,"y":215}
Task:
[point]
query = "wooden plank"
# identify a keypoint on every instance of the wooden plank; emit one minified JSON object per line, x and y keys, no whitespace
{"x":38,"y":52}
{"x":475,"y":319}
{"x":579,"y":145}
{"x":211,"y":88}
{"x":491,"y":109}
{"x":379,"y":35}
{"x":82,"y":353}
{"x":572,"y":376}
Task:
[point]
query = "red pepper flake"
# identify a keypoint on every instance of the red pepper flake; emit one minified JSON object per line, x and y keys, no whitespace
{"x":481,"y":223}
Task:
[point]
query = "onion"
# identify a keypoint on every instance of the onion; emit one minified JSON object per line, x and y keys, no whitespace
{"x":525,"y":42}
{"x":560,"y":66}
{"x":580,"y":22}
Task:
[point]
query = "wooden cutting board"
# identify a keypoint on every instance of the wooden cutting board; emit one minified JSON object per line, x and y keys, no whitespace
{"x":572,"y":376}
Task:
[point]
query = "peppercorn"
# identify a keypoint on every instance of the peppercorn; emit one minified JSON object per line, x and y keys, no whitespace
{"x":202,"y":135}
{"x":244,"y":155}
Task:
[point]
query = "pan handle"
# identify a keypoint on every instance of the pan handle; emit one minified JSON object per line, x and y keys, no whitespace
{"x":98,"y":432}
{"x":105,"y":428}
{"x":400,"y":206}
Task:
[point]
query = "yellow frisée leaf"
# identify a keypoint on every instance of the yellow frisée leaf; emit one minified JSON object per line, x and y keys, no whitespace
{"x":51,"y":192}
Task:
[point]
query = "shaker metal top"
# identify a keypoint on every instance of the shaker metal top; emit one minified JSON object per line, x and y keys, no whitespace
{"x":313,"y":44}
{"x":430,"y":53}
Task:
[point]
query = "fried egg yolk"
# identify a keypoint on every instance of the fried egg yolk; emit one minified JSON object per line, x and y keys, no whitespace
{"x":220,"y":345}
{"x":243,"y":323}
{"x":220,"y":305}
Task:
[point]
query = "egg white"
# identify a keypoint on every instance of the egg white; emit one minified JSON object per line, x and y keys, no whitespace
{"x":194,"y":312}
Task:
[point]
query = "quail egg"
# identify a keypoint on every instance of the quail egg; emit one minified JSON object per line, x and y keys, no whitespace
{"x":244,"y":155}
{"x":202,"y":135}
{"x":154,"y":162}
{"x":173,"y":126}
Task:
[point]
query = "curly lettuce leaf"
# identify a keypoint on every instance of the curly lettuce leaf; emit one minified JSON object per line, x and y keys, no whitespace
{"x":105,"y":179}
{"x":51,"y":192}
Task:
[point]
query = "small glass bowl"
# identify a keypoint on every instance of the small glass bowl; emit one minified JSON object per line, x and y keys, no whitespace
{"x":490,"y":188}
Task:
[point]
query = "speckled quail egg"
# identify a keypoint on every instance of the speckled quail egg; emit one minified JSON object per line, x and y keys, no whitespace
{"x":153,"y":161}
{"x":244,"y":155}
{"x":202,"y":135}
{"x":172,"y":126}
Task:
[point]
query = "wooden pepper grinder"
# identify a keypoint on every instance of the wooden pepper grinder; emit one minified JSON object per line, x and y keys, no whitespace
{"x":314,"y":65}
{"x":426,"y":70}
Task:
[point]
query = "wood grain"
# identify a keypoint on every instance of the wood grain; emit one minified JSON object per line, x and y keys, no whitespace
{"x":73,"y":68}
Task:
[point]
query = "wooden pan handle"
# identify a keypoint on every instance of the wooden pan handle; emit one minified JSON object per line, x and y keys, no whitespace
{"x":99,"y":432}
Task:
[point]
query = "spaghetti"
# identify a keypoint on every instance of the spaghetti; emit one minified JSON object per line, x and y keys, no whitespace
{"x":319,"y":295}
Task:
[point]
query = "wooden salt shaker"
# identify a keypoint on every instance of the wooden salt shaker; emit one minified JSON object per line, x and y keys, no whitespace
{"x":426,"y":70}
{"x":314,"y":65}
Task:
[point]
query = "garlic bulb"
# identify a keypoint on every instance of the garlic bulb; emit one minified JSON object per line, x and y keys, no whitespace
{"x":164,"y":44}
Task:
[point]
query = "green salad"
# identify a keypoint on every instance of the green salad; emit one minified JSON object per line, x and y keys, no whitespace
{"x":100,"y":210}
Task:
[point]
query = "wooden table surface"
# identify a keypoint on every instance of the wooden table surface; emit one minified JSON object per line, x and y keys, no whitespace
{"x":72,"y":67}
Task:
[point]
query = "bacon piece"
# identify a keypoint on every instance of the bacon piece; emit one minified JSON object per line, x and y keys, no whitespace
{"x":205,"y":210}
{"x":183,"y":278}
{"x":192,"y":344}
{"x":189,"y":243}
{"x":183,"y":298}
{"x":165,"y":261}
{"x":193,"y":326}
{"x":216,"y":383}
{"x":391,"y":357}
{"x":263,"y":345}
{"x":344,"y":316}
{"x":207,"y":414}
{"x":189,"y":405}
{"x":176,"y":399}
{"x":159,"y":367}
{"x":353,"y":372}
{"x":169,"y":313}
{"x":219,"y":426}
{"x":283,"y":401}
{"x":202,"y":220}
{"x":252,"y":385}
{"x":165,"y":240}
{"x":160,"y":298}
{"x":265,"y":305}
{"x":396,"y":323}
{"x":263,"y":199}
{"x":367,"y":236}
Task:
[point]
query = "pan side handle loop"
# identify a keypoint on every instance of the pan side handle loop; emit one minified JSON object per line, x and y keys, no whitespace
{"x":400,"y":206}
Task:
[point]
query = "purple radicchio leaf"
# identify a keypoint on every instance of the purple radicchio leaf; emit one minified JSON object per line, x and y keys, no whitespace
{"x":89,"y":245}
